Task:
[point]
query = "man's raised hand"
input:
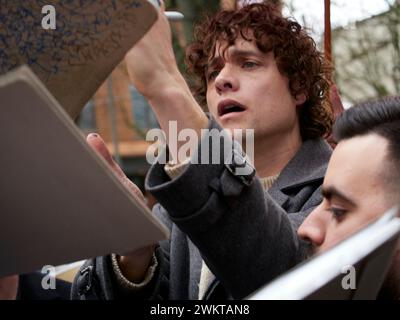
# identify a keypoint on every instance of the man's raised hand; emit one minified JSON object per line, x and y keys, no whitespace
{"x":134,"y":264}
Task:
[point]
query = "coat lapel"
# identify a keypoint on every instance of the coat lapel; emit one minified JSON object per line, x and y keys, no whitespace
{"x":309,"y":164}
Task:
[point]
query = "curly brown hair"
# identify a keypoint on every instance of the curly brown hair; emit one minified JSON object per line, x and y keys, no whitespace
{"x":295,"y":52}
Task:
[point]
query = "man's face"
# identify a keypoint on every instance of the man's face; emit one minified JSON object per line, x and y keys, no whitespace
{"x":245,"y":90}
{"x":355,"y":192}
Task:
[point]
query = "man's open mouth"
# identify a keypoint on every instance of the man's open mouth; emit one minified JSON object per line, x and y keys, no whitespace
{"x":229,"y":106}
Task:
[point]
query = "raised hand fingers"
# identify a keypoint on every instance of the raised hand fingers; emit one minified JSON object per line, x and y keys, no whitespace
{"x":98,"y":144}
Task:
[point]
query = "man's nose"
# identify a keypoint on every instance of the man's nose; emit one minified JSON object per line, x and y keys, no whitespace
{"x":226,"y":81}
{"x":313,"y":229}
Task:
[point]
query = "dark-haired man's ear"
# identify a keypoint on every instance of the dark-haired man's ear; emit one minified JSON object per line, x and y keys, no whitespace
{"x":300,"y":99}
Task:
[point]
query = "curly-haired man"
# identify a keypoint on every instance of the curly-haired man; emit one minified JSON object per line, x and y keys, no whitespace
{"x":254,"y":70}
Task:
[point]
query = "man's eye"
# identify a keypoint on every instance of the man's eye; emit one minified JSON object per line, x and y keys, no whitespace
{"x":249,"y":64}
{"x":338,"y":213}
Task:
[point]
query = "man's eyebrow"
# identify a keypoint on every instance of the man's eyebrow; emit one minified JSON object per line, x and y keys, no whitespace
{"x":243,"y":53}
{"x":329,"y":192}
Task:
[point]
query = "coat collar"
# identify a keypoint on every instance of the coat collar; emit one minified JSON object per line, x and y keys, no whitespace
{"x":309,"y":164}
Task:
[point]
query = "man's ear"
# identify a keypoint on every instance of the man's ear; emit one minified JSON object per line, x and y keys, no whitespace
{"x":300,"y":99}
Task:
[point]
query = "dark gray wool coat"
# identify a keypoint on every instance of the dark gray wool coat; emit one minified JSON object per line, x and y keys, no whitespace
{"x":246,"y":236}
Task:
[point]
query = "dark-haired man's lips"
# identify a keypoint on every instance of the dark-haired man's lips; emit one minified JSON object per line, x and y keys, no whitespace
{"x":229,"y":109}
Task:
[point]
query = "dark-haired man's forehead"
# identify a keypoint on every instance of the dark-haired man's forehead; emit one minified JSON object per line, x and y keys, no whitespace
{"x":357,"y":168}
{"x":221,"y":44}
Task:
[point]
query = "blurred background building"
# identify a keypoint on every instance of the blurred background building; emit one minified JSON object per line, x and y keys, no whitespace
{"x":367,"y":56}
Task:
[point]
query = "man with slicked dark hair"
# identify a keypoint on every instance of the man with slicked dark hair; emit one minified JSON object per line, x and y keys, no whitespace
{"x":362,"y":180}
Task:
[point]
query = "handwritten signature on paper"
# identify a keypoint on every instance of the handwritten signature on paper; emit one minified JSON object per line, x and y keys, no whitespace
{"x":86,"y":30}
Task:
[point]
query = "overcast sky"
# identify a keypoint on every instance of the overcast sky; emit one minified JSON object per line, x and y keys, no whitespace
{"x":343,"y":12}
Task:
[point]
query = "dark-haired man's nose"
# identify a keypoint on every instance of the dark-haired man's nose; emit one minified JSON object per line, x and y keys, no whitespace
{"x":313,"y":229}
{"x":226,"y":82}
